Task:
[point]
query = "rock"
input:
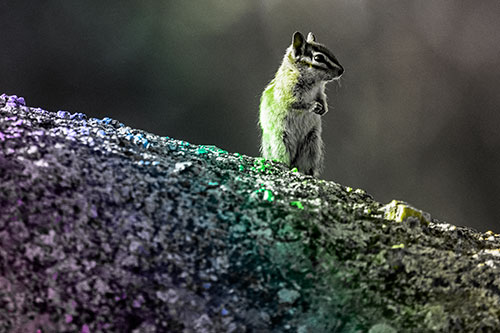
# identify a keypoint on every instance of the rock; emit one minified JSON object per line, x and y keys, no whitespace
{"x":106,"y":228}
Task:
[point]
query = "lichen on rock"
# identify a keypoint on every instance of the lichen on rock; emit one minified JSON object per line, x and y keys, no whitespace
{"x":106,"y":228}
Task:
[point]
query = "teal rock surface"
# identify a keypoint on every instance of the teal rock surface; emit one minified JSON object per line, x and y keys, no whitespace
{"x":106,"y":228}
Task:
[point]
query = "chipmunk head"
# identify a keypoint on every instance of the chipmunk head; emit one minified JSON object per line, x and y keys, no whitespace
{"x":313,"y":59}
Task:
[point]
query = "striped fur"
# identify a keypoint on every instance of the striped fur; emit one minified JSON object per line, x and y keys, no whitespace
{"x":293,"y":103}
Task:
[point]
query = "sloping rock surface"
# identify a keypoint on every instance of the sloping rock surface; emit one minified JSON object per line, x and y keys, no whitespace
{"x":106,"y":228}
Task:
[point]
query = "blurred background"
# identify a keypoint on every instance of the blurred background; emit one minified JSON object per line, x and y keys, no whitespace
{"x":415,"y":116}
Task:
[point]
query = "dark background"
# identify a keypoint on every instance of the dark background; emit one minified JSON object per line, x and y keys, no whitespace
{"x":415,"y":116}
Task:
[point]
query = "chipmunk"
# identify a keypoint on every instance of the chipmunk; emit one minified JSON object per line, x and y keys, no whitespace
{"x":292,"y":104}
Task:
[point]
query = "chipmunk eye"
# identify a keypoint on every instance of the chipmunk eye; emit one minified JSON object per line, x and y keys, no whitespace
{"x":319,"y":58}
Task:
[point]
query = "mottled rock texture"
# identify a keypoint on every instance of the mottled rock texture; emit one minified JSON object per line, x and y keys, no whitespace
{"x":106,"y":228}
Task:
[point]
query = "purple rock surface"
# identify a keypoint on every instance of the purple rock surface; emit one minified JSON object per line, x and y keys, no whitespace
{"x":106,"y":228}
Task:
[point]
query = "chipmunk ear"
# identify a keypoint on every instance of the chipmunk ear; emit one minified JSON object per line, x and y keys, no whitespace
{"x":310,"y":37}
{"x":298,"y":43}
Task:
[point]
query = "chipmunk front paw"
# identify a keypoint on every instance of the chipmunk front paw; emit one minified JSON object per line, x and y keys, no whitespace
{"x":318,"y":108}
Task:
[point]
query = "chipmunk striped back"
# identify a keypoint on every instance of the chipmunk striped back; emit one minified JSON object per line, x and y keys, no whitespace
{"x":293,"y":103}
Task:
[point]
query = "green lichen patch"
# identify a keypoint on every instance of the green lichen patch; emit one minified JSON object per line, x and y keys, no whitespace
{"x":297,"y":204}
{"x":261,"y":165}
{"x":398,"y":211}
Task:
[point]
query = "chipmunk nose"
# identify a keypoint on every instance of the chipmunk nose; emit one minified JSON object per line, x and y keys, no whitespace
{"x":340,"y":71}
